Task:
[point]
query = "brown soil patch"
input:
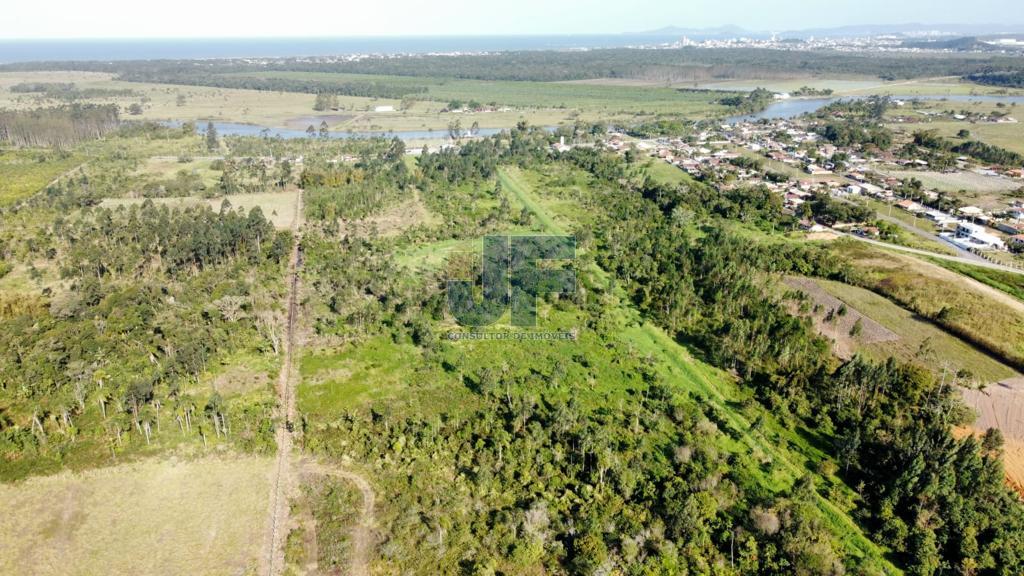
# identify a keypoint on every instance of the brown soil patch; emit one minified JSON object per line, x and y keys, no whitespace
{"x":240,"y":379}
{"x":999,"y":406}
{"x":391,"y":222}
{"x":839,"y":328}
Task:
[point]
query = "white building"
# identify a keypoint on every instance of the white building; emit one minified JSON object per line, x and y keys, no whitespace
{"x":970,"y":235}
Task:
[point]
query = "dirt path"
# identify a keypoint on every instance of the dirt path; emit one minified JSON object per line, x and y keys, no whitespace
{"x":362,"y":532}
{"x":283,"y":480}
{"x":286,"y":472}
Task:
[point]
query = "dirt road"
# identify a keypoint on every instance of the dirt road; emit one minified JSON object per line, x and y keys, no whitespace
{"x":286,"y":473}
{"x":283,"y":481}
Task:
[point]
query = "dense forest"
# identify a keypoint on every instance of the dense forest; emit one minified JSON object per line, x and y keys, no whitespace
{"x":890,"y":425}
{"x":675,"y":65}
{"x":60,"y":127}
{"x":1006,"y":79}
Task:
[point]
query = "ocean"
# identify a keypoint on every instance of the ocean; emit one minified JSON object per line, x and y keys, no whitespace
{"x":143,"y":49}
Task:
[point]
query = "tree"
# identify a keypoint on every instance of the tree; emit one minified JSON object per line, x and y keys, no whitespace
{"x":455,"y":129}
{"x":324,"y":129}
{"x":310,"y":131}
{"x":212,"y":142}
{"x":135,"y":109}
{"x":325,"y":101}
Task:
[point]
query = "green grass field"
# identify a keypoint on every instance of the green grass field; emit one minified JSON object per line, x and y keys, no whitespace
{"x":986,"y":316}
{"x":920,"y":340}
{"x":25,"y":172}
{"x":589,"y":97}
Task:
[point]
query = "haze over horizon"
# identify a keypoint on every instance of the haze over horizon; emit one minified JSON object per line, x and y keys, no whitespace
{"x":121,"y":19}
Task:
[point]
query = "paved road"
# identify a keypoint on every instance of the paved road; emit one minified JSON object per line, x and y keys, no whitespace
{"x":960,"y":252}
{"x":981,"y":262}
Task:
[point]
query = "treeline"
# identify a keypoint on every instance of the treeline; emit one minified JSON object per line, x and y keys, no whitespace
{"x":68,"y":91}
{"x":979,"y":150}
{"x":106,"y":361}
{"x":1006,"y":79}
{"x":365,"y":89}
{"x":60,"y":127}
{"x":889,"y":425}
{"x":677,"y":65}
{"x":754,"y":101}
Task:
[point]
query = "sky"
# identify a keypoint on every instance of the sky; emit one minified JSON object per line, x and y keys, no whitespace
{"x":22,"y":19}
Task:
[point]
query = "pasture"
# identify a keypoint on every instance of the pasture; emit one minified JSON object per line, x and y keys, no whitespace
{"x":25,"y":172}
{"x":154,"y":517}
{"x":278,"y":207}
{"x":1005,"y":135}
{"x":917,"y":340}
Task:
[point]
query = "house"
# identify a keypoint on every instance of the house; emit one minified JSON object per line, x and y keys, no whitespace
{"x":940,"y":218}
{"x":970,"y":235}
{"x":910,"y":206}
{"x":561,"y":146}
{"x":815,"y":170}
{"x":809,"y":226}
{"x":971,"y":211}
{"x":1012,"y":228}
{"x":384,"y":109}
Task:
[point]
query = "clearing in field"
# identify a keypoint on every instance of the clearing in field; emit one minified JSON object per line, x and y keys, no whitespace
{"x":153,"y":517}
{"x":25,"y":172}
{"x":917,"y":339}
{"x":836,"y":320}
{"x":278,"y":207}
{"x":392,"y":221}
{"x":961,"y":181}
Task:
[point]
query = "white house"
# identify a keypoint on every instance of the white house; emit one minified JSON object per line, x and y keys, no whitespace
{"x":970,"y":235}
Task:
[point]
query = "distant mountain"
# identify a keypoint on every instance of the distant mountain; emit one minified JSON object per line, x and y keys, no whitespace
{"x":910,"y":30}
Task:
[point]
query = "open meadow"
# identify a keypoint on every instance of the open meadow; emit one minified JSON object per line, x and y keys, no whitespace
{"x":155,"y":517}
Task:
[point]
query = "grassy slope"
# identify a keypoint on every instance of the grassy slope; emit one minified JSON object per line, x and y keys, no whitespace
{"x":22,"y":174}
{"x":1012,"y":284}
{"x":974,"y":311}
{"x":792,"y":454}
{"x":155,"y":517}
{"x":920,"y":340}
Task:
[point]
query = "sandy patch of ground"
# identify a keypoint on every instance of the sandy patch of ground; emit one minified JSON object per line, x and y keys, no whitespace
{"x":840,"y":327}
{"x":999,"y":406}
{"x":391,"y":222}
{"x":155,"y":517}
{"x":826,"y":236}
{"x":277,"y":207}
